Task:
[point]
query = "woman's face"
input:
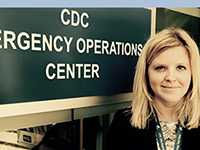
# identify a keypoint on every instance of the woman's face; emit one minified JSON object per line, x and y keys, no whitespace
{"x":170,"y":75}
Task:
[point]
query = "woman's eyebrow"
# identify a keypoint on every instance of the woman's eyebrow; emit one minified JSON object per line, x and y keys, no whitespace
{"x":183,"y":63}
{"x":158,"y":64}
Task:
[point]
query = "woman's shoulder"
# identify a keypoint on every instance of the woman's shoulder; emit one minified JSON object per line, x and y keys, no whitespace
{"x":122,"y":117}
{"x":119,"y":130}
{"x":124,"y":113}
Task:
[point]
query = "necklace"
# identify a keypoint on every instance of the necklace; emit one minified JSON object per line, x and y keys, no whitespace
{"x":168,"y":135}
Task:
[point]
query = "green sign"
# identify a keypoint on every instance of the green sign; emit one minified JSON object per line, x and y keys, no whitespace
{"x":69,"y":52}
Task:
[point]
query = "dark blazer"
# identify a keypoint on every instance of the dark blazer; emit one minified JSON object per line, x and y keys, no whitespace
{"x":122,"y":136}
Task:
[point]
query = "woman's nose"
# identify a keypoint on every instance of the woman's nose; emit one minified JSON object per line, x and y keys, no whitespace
{"x":170,"y":75}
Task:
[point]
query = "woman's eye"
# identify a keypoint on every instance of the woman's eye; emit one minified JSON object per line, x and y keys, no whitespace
{"x":181,"y":68}
{"x":160,"y":68}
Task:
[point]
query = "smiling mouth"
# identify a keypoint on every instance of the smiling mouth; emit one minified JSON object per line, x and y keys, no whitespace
{"x":169,"y":87}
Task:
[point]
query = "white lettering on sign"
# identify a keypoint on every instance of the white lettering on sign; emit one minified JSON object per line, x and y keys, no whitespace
{"x":103,"y":47}
{"x":58,"y":43}
{"x":34,"y":41}
{"x":74,"y":18}
{"x":71,"y":71}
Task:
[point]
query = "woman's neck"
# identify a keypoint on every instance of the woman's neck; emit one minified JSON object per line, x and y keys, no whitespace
{"x":166,"y":112}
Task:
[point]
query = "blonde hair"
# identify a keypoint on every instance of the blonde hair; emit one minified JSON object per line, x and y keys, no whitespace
{"x":142,"y":104}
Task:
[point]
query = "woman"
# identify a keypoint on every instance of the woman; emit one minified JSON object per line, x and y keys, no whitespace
{"x":165,"y":112}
